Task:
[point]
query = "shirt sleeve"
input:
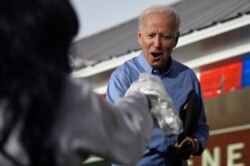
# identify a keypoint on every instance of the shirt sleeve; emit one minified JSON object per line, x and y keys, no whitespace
{"x":87,"y":124}
{"x":201,"y":129}
{"x":117,"y":86}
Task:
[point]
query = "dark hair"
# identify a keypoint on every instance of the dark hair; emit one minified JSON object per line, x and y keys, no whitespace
{"x":35,"y":36}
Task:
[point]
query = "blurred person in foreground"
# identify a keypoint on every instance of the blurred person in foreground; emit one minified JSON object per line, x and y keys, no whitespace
{"x":158,"y":34}
{"x":48,"y":118}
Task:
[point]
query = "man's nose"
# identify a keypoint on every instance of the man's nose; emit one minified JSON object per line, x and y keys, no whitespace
{"x":157,"y":41}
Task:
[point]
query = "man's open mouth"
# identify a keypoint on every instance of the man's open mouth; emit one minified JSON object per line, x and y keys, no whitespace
{"x":155,"y":55}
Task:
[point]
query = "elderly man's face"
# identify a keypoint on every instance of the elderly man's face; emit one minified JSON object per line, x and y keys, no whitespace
{"x":157,"y":37}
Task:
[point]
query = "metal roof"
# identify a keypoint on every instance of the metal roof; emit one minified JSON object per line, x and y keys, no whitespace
{"x":195,"y":15}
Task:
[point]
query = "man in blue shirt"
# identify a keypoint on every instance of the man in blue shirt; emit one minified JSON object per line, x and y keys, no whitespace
{"x":158,"y":34}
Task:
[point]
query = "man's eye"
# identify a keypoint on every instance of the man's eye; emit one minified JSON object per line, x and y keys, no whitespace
{"x":150,"y":35}
{"x":167,"y":37}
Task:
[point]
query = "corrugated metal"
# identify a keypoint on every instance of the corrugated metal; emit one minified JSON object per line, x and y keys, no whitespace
{"x":195,"y":15}
{"x":107,"y":44}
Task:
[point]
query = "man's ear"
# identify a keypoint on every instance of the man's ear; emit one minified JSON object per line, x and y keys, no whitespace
{"x":139,"y":36}
{"x":176,"y":38}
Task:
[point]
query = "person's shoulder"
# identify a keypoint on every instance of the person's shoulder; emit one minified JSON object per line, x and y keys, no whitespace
{"x":179,"y":64}
{"x":73,"y":86}
{"x":182,"y":67}
{"x":125,"y":68}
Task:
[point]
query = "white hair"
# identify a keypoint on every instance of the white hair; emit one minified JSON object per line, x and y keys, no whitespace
{"x":159,"y":9}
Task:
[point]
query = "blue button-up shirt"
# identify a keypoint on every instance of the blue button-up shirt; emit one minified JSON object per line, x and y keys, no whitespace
{"x":179,"y":81}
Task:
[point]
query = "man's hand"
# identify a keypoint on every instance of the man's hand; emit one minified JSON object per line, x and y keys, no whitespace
{"x":193,"y":141}
{"x":182,"y":151}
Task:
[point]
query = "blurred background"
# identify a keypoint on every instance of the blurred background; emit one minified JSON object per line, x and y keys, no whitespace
{"x":214,"y":42}
{"x":96,"y":16}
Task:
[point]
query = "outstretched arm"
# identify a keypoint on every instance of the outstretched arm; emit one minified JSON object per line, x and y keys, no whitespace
{"x":88,"y":124}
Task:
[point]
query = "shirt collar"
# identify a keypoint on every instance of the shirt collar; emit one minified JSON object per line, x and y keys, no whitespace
{"x":149,"y":69}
